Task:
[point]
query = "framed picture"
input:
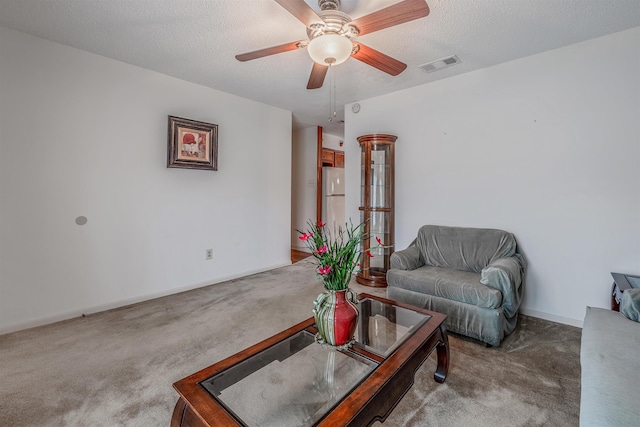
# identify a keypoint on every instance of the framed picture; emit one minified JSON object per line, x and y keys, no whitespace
{"x":192,"y":144}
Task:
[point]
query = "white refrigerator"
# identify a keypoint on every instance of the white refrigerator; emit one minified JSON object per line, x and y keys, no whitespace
{"x":333,"y":198}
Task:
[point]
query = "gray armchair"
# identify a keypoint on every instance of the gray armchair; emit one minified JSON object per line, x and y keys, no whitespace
{"x":473,"y":275}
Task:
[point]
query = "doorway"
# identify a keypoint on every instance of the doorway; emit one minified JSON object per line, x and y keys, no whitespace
{"x":312,"y":151}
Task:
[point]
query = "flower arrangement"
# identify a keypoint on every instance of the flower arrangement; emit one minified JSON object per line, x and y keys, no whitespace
{"x":337,"y":253}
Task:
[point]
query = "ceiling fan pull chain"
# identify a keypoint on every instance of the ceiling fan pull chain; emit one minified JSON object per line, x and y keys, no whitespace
{"x":332,"y":89}
{"x":329,"y":101}
{"x":333,"y":83}
{"x":332,"y":94}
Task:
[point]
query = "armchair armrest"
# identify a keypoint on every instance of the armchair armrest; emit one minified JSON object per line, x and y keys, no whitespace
{"x":407,"y":259}
{"x":506,"y":275}
{"x":630,"y":305}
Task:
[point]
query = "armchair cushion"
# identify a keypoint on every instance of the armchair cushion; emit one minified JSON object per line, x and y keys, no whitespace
{"x":463,"y":286}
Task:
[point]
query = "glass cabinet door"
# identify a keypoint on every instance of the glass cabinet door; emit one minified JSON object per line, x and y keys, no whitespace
{"x":376,"y":206}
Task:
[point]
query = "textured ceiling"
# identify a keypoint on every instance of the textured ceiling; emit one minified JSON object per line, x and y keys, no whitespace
{"x":196,"y":40}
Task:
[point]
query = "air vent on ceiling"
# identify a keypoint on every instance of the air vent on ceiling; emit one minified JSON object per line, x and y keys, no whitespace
{"x":440,"y":64}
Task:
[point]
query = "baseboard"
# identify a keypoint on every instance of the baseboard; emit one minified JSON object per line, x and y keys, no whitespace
{"x":551,"y":317}
{"x":128,"y":301}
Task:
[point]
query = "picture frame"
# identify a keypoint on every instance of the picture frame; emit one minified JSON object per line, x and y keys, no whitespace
{"x":192,"y":144}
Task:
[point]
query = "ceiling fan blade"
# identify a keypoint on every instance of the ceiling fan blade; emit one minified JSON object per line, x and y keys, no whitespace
{"x":318,"y":73}
{"x":269,"y":51}
{"x":378,"y":60}
{"x":300,"y":10}
{"x":399,"y":13}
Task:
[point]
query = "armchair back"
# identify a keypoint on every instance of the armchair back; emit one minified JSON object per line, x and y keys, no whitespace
{"x":461,"y":248}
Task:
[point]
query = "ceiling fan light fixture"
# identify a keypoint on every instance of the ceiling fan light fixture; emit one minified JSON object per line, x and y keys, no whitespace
{"x":330,"y":49}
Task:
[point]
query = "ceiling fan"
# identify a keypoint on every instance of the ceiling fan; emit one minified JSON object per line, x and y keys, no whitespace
{"x":332,"y":32}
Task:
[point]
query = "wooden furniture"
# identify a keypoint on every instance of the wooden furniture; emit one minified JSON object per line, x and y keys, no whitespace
{"x":328,"y":157}
{"x":621,"y":282}
{"x":332,"y":158}
{"x":316,"y":385}
{"x":377,"y":207}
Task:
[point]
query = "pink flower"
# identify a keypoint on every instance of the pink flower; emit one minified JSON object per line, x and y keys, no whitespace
{"x":321,"y":250}
{"x":370,"y":254}
{"x":378,"y":240}
{"x":321,"y":224}
{"x":324,"y":270}
{"x":305,"y":236}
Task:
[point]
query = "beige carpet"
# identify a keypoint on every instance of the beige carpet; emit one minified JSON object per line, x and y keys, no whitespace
{"x":116,"y":368}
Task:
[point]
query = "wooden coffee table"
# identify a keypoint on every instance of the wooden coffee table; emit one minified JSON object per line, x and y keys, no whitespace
{"x":289,"y":379}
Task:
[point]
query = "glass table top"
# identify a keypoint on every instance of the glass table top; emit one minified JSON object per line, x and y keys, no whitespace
{"x":383,"y":327}
{"x":297,"y":381}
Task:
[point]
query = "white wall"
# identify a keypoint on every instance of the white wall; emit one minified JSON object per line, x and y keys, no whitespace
{"x":547,"y":147}
{"x":85,"y":135}
{"x":332,"y":141}
{"x":304,"y":173}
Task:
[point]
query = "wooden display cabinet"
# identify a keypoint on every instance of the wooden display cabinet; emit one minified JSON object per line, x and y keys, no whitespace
{"x":377,"y":207}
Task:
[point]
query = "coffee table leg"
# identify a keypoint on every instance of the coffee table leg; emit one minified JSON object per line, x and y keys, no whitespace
{"x":442,"y":349}
{"x":178,"y":413}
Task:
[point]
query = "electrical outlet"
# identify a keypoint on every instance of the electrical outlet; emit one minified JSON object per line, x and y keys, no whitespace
{"x":209,"y":253}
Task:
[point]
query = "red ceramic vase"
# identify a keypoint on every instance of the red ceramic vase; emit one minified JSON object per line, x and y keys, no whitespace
{"x":336,"y":316}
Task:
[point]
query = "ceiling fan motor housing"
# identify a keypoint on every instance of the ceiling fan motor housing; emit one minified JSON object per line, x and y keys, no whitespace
{"x":335,"y":22}
{"x":329,"y":4}
{"x":330,"y":41}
